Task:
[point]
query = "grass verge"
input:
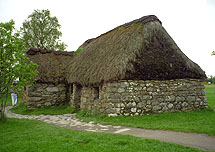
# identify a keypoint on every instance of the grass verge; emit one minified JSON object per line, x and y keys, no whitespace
{"x":57,"y":110}
{"x":200,"y":121}
{"x":22,"y":135}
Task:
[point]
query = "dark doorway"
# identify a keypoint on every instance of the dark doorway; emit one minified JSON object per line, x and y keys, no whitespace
{"x":76,"y":95}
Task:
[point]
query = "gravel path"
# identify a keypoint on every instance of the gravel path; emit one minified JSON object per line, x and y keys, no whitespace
{"x":201,"y":141}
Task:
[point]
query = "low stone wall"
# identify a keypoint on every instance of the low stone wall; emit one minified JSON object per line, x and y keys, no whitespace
{"x":41,"y":95}
{"x":128,"y":97}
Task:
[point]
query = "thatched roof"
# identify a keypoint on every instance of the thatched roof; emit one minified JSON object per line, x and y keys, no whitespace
{"x":52,"y":65}
{"x":141,"y":49}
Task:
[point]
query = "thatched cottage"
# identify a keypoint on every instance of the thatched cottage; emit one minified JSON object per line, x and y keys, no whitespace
{"x":134,"y":69}
{"x":51,"y":87}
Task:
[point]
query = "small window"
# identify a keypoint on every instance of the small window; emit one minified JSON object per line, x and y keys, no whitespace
{"x":96,"y":93}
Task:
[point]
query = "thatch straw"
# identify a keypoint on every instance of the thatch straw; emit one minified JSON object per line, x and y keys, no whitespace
{"x":52,"y":65}
{"x":141,"y":49}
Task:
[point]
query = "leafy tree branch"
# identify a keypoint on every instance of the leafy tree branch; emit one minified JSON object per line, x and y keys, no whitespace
{"x":14,"y":65}
{"x":40,"y":30}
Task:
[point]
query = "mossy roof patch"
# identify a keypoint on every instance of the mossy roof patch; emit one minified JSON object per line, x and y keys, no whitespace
{"x":141,"y":49}
{"x":142,"y":20}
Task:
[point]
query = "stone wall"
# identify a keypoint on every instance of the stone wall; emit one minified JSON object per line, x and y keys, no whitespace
{"x":128,"y":97}
{"x":42,"y":94}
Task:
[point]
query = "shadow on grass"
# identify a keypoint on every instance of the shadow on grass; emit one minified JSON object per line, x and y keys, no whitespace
{"x":3,"y":120}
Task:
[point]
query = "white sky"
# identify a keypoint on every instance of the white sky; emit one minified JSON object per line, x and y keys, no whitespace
{"x":191,"y":23}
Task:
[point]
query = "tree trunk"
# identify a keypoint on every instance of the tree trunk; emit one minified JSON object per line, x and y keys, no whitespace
{"x":3,"y":104}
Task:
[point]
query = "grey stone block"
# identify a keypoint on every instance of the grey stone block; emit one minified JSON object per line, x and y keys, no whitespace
{"x":156,"y":108}
{"x":52,"y":89}
{"x":180,"y":99}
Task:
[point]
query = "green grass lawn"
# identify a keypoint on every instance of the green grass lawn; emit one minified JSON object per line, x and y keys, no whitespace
{"x":22,"y":135}
{"x":63,"y":109}
{"x":210,"y":92}
{"x":199,"y":121}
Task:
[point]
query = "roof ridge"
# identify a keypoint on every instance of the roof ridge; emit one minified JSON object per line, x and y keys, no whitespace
{"x":143,"y":20}
{"x":33,"y":51}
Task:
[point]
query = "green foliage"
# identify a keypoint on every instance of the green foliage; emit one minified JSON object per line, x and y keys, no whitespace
{"x":84,"y":113}
{"x":78,"y":50}
{"x":40,"y":30}
{"x":213,"y":53}
{"x":14,"y":65}
{"x":22,"y":135}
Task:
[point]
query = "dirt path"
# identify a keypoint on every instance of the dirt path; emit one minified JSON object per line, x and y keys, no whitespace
{"x":201,"y":141}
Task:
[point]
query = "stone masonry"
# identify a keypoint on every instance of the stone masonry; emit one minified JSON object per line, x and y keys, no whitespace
{"x":137,"y":97}
{"x":42,"y":94}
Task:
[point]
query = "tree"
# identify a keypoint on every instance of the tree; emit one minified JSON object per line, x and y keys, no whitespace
{"x":210,"y":78}
{"x":14,"y":65}
{"x":40,"y":30}
{"x":213,"y":53}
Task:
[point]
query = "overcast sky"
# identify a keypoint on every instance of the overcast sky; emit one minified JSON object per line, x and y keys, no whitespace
{"x":191,"y":23}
